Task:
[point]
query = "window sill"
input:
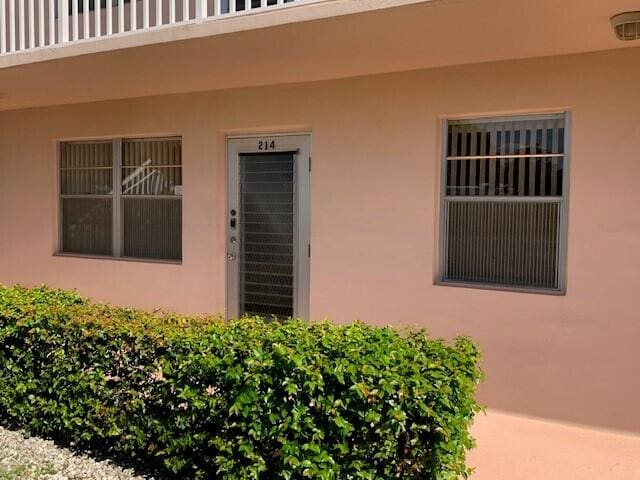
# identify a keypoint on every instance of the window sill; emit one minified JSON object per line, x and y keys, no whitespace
{"x":117,"y":259}
{"x":502,"y":288}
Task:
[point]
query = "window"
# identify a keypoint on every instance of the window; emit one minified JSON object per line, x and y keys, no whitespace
{"x":503,"y":202}
{"x":141,"y":217}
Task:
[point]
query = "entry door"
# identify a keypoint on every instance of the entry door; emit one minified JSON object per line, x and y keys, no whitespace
{"x":268,"y":246}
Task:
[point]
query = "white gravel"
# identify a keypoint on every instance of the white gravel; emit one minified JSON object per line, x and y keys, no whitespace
{"x":36,"y":459}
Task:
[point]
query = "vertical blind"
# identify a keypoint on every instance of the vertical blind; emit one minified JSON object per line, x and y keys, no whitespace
{"x":142,"y":218}
{"x":510,"y":158}
{"x":503,"y":199}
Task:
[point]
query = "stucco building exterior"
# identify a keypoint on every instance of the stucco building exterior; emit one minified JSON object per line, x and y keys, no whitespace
{"x":468,"y":166}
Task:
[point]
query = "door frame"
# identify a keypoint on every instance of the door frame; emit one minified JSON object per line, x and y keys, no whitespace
{"x":300,"y":144}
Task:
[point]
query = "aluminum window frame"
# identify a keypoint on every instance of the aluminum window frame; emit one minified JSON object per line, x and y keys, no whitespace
{"x":117,"y":229}
{"x":563,"y":222}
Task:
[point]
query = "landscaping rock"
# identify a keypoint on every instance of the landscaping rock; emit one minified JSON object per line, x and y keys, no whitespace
{"x":29,"y":458}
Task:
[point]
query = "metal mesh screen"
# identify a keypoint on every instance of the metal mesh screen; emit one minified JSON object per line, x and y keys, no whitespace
{"x":152,"y":228}
{"x":503,"y":201}
{"x":267,"y":238}
{"x":152,"y":198}
{"x":151,"y":167}
{"x":86,"y":187}
{"x":86,"y":168}
{"x":503,"y":243}
{"x":87,"y":225}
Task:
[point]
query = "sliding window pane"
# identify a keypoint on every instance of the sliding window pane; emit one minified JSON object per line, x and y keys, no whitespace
{"x":152,"y":228}
{"x":86,"y":186}
{"x":152,"y":198}
{"x":87,"y":226}
{"x":505,"y":158}
{"x":86,"y":169}
{"x":503,"y":243}
{"x":152,"y":167}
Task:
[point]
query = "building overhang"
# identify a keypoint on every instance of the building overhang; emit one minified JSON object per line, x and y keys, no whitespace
{"x":311,"y":42}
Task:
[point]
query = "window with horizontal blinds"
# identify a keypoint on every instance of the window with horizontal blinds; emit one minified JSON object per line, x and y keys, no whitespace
{"x":141,"y":217}
{"x":503,"y":201}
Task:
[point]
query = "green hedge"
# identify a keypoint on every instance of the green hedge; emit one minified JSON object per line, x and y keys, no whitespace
{"x":196,"y":397}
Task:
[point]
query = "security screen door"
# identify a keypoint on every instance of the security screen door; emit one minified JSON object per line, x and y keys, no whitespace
{"x":268,"y":226}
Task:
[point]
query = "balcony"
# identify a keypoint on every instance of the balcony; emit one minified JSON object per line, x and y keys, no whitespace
{"x":27,"y":25}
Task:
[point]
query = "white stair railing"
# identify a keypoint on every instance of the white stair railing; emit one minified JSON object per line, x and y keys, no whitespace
{"x":31,"y":24}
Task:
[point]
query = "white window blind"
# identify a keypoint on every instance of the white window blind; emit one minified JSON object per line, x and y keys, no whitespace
{"x":503,"y":202}
{"x":141,"y":217}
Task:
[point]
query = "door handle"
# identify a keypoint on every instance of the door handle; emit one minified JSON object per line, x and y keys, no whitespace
{"x":231,"y":256}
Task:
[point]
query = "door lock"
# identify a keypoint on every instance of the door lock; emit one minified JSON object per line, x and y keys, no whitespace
{"x":232,"y":220}
{"x":231,"y":256}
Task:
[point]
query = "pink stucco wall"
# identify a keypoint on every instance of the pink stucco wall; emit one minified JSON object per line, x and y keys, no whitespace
{"x":374,"y":216}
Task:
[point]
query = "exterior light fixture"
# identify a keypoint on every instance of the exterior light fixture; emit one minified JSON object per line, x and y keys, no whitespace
{"x":627,"y":25}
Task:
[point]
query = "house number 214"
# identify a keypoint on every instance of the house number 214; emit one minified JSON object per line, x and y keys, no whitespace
{"x":265,"y":145}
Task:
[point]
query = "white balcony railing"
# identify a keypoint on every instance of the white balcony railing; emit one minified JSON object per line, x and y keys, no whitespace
{"x":31,"y":24}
